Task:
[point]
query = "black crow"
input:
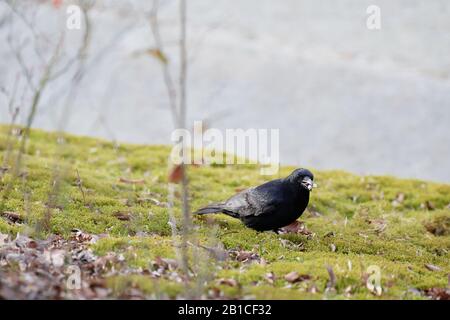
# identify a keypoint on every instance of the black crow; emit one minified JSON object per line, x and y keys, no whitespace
{"x":270,"y":206}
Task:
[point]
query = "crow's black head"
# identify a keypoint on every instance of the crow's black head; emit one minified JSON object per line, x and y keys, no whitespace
{"x":304,"y":177}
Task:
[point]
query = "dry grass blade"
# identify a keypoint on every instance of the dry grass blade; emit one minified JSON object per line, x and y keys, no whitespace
{"x":131,"y":181}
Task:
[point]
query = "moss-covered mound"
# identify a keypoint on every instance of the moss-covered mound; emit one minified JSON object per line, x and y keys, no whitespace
{"x":358,"y":224}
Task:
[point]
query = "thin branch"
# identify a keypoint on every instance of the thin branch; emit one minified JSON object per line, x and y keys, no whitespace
{"x":171,"y":90}
{"x":182,"y":123}
{"x":79,"y":183}
{"x":183,"y":64}
{"x":18,"y":56}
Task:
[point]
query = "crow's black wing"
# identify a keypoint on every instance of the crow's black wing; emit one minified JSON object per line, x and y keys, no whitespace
{"x":264,"y":199}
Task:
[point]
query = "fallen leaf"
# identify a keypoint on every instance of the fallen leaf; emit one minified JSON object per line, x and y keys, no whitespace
{"x":80,"y":236}
{"x":32,"y":244}
{"x":165,"y":263}
{"x":296,"y":227}
{"x":244,"y":256}
{"x":229,"y":282}
{"x":432,"y":267}
{"x":122,"y":216}
{"x":176,"y":174}
{"x":294,"y":277}
{"x":13,"y":217}
{"x":438,"y":293}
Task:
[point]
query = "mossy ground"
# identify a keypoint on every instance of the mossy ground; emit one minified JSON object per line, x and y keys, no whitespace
{"x":357,"y":221}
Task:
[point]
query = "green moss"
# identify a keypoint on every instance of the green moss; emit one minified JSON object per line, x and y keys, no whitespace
{"x":396,"y":224}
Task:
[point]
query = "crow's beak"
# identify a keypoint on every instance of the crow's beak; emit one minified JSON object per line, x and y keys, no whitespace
{"x":308,"y":183}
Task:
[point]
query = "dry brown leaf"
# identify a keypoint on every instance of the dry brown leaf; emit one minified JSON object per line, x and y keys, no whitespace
{"x":244,"y":256}
{"x":80,"y":236}
{"x":294,"y":277}
{"x":296,"y":227}
{"x":165,"y":263}
{"x":176,"y":174}
{"x":229,"y":282}
{"x":13,"y":217}
{"x":122,"y":216}
{"x":438,"y":293}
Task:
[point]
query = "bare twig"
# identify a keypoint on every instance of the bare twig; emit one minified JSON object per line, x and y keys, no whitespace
{"x":178,"y":107}
{"x":171,"y":90}
{"x":79,"y":183}
{"x":182,"y":124}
